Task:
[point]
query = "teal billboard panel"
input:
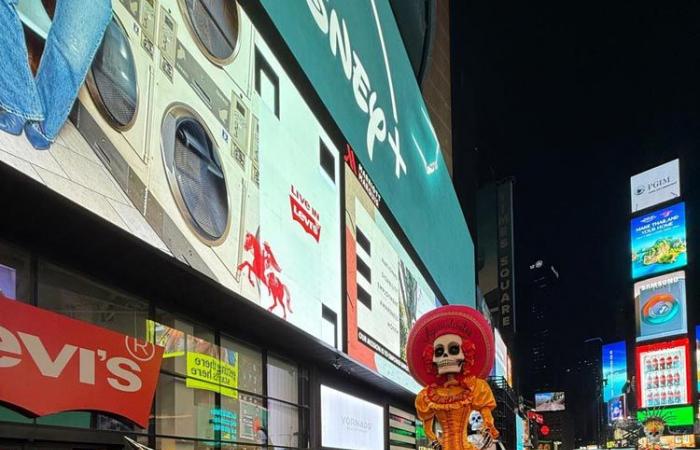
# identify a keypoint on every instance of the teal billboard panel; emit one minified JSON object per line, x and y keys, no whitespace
{"x":353,"y":55}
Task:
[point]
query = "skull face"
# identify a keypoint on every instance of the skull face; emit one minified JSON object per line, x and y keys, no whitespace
{"x":447,"y":354}
{"x":476,"y":421}
{"x":653,"y":429}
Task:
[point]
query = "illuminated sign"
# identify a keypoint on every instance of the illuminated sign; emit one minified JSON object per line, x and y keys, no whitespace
{"x":387,"y":292}
{"x":661,"y":307}
{"x":500,"y":367}
{"x":550,"y":401}
{"x":614,"y":369}
{"x":349,"y":422}
{"x":657,"y":185}
{"x":617,"y":409}
{"x":663,"y":374}
{"x":229,"y":171}
{"x":697,"y":355}
{"x":356,"y":60}
{"x":402,"y":428}
{"x":51,"y":363}
{"x":677,"y":416}
{"x":659,"y":241}
{"x":520,"y":437}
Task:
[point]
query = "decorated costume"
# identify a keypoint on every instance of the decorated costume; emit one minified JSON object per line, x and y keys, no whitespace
{"x":450,"y":352}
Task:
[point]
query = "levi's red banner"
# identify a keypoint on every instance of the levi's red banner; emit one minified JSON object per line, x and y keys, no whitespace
{"x":50,"y":363}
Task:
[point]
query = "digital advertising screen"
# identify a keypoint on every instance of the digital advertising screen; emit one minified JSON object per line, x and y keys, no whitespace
{"x":617,"y":409}
{"x":522,"y":433}
{"x":663,"y":374}
{"x":226,"y":170}
{"x":500,"y":367}
{"x":658,"y":241}
{"x":697,"y":355}
{"x":387,"y":292}
{"x":660,"y":306}
{"x":349,"y":422}
{"x":614,"y":369}
{"x":655,"y":186}
{"x":550,"y":401}
{"x":8,"y":281}
{"x":675,"y":416}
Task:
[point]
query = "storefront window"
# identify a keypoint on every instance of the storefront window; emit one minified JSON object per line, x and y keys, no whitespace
{"x":183,"y":411}
{"x":79,"y":298}
{"x":282,"y":380}
{"x":15,"y":279}
{"x":182,"y":444}
{"x":243,"y":418}
{"x":284,"y":424}
{"x":250,"y":371}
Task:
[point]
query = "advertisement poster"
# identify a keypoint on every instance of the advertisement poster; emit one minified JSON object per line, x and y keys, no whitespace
{"x":660,"y":306}
{"x":697,"y":354}
{"x":663,"y":374}
{"x":659,"y":241}
{"x":387,"y":292}
{"x":521,"y":433}
{"x":237,"y":179}
{"x":550,"y":401}
{"x":349,"y":422}
{"x":675,"y":416}
{"x":655,"y":186}
{"x":617,"y":409}
{"x":8,"y":282}
{"x":500,"y":367}
{"x":614,"y":369}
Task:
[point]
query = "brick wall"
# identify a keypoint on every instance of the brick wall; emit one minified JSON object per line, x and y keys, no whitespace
{"x":437,"y":85}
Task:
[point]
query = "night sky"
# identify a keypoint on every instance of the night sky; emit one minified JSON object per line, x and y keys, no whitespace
{"x":572,"y":98}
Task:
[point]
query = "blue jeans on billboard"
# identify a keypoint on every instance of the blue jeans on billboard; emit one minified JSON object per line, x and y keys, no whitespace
{"x":40,"y":105}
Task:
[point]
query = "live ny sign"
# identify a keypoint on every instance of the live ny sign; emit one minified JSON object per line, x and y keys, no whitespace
{"x":50,"y":363}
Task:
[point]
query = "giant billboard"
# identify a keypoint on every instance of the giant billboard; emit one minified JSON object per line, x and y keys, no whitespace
{"x":354,"y":56}
{"x":204,"y":147}
{"x":658,"y":241}
{"x":655,"y":186}
{"x":614,"y":370}
{"x":349,"y":422}
{"x":660,"y":306}
{"x":386,"y":291}
{"x":550,"y":401}
{"x":663,"y":374}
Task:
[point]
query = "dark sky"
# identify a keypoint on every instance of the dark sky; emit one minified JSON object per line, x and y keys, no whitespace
{"x":571,"y":99}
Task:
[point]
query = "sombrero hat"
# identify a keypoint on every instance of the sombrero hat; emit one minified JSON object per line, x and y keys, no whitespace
{"x":463,"y":321}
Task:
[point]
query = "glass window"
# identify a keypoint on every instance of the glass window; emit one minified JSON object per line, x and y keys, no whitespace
{"x":66,"y":419}
{"x":283,"y":422}
{"x":74,"y":296}
{"x":183,"y":444}
{"x":250,"y":372}
{"x":109,"y":423}
{"x":243,"y":418}
{"x":183,"y":411}
{"x":180,"y":337}
{"x":15,"y":280}
{"x":282,"y":380}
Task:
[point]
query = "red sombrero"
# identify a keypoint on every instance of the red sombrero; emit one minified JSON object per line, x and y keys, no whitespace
{"x":464,"y":321}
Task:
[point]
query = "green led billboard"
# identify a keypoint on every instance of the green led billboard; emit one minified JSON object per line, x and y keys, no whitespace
{"x":675,"y":417}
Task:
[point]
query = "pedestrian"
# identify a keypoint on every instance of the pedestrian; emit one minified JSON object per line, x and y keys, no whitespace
{"x":40,"y":105}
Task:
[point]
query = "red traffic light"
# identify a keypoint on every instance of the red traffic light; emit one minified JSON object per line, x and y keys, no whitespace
{"x":544,"y":430}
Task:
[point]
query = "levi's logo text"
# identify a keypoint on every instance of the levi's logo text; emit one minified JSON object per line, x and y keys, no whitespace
{"x":307,"y":216}
{"x":50,"y":363}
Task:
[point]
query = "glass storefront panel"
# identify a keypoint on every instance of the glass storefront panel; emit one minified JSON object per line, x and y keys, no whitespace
{"x":15,"y":279}
{"x":183,"y":444}
{"x":283,"y":424}
{"x":179,"y":337}
{"x":182,"y":411}
{"x":246,"y":414}
{"x":67,"y":419}
{"x":282,"y":380}
{"x":66,"y":293}
{"x":250,"y":374}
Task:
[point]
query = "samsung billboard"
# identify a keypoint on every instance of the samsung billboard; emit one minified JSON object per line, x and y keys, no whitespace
{"x":660,"y":306}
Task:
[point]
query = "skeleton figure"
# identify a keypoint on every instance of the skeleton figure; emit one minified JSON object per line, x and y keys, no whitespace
{"x":476,"y":425}
{"x":450,"y":350}
{"x":653,"y":430}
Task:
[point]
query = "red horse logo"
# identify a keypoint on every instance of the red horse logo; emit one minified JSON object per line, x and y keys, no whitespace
{"x":264,"y":266}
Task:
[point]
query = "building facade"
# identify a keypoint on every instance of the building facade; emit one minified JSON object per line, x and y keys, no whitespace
{"x":256,"y":188}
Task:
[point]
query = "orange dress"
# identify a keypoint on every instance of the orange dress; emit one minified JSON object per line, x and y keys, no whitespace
{"x":451,"y":405}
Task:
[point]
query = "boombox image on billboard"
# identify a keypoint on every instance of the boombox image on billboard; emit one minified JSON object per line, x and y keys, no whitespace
{"x":660,"y":307}
{"x":191,"y":135}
